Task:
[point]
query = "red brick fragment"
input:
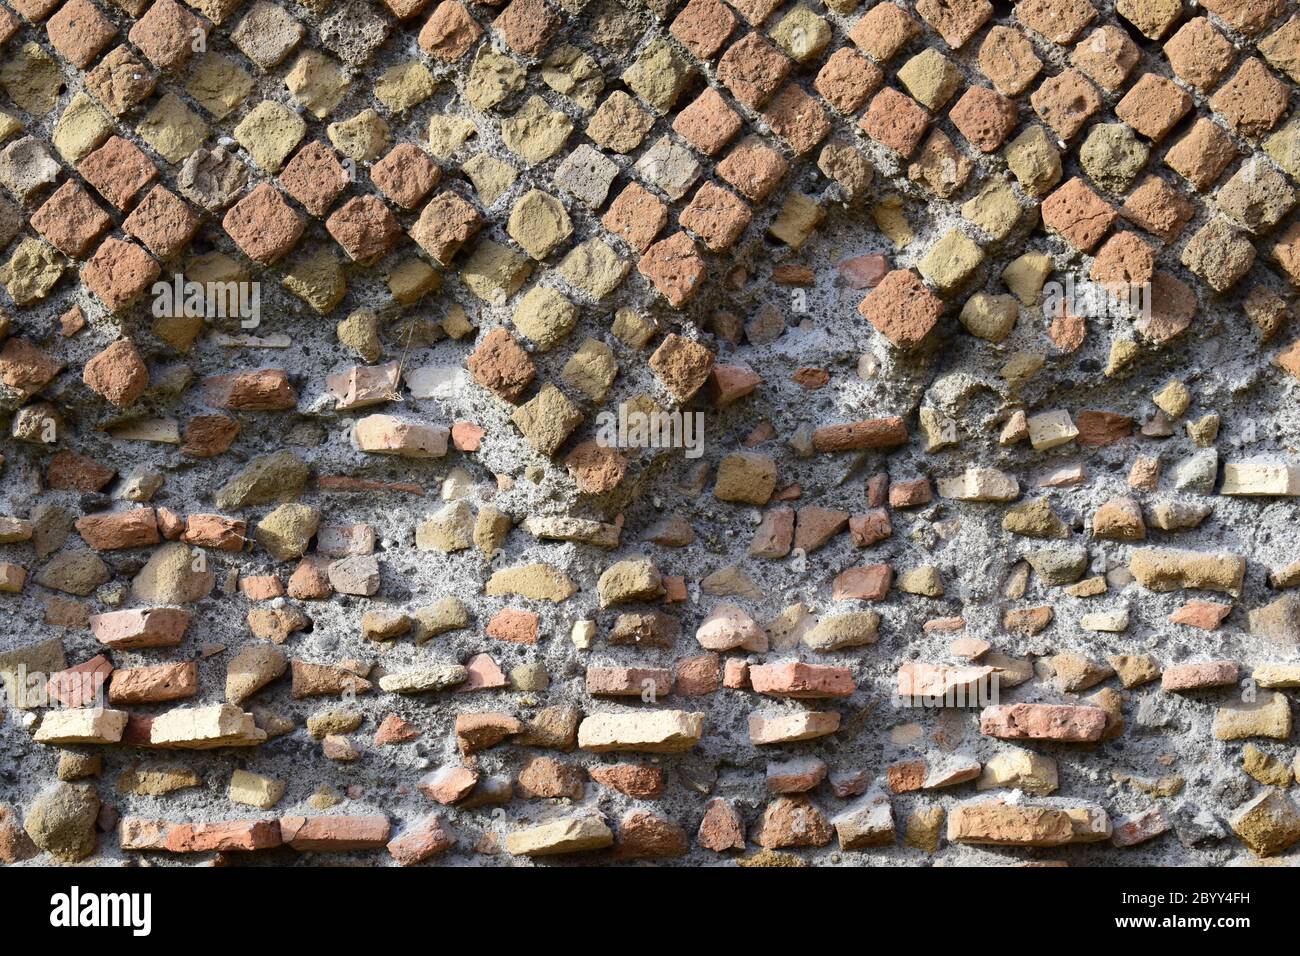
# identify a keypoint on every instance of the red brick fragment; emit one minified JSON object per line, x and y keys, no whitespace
{"x":395,"y":729}
{"x":895,"y":120}
{"x":868,"y":583}
{"x":722,"y":828}
{"x":802,"y":681}
{"x":870,"y":528}
{"x":450,"y":32}
{"x":635,"y":780}
{"x":81,"y":685}
{"x":266,"y":389}
{"x":154,"y":685}
{"x":418,"y":843}
{"x":647,"y":835}
{"x":263,"y":225}
{"x":902,"y":309}
{"x":1043,"y":722}
{"x":119,"y":272}
{"x":137,"y":528}
{"x":223,"y":836}
{"x":1177,"y":678}
{"x":514,"y":625}
{"x":68,"y":471}
{"x":338,"y":834}
{"x":118,"y":374}
{"x":874,"y":433}
{"x":1206,"y":615}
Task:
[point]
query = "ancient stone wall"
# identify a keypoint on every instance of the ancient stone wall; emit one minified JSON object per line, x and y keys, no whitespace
{"x":329,"y":520}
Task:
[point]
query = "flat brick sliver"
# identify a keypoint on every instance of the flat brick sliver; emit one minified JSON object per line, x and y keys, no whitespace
{"x":1056,"y":822}
{"x":802,"y":681}
{"x":137,"y":833}
{"x":791,"y":728}
{"x":315,"y":834}
{"x":266,"y":389}
{"x":920,"y":679}
{"x":629,"y":681}
{"x":335,"y":834}
{"x":1064,"y":722}
{"x":140,"y":627}
{"x":150,"y":685}
{"x":229,"y":835}
{"x":854,"y":436}
{"x":1196,"y":676}
{"x":82,"y":725}
{"x":137,"y":528}
{"x":655,"y":731}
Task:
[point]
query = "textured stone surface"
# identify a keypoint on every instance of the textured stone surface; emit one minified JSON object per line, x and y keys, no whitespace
{"x":720,"y":372}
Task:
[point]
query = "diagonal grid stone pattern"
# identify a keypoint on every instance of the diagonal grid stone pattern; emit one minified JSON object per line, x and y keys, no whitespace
{"x":316,"y":322}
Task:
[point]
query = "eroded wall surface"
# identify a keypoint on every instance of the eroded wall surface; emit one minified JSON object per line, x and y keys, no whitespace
{"x":330,"y":327}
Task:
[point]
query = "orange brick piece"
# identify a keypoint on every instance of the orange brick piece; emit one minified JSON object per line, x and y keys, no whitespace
{"x":884,"y":30}
{"x":986,"y":118}
{"x":1253,"y":101}
{"x":674,"y":268}
{"x":166,"y":34}
{"x":1061,"y":21}
{"x":896,"y":121}
{"x":1077,"y":214}
{"x":703,"y":27}
{"x":955,"y":20}
{"x":163,"y":222}
{"x":406,"y":175}
{"x":1066,"y":102}
{"x":71,"y":220}
{"x":1153,"y":106}
{"x":79,"y":31}
{"x":717,"y":216}
{"x":263,"y":225}
{"x":753,"y":168}
{"x":119,"y":272}
{"x":901,"y":308}
{"x":450,"y":32}
{"x":1106,"y":56}
{"x":1199,"y":54}
{"x":315,"y":177}
{"x":118,"y":170}
{"x":797,"y":118}
{"x":753,"y":70}
{"x":636,"y":216}
{"x":847,"y":80}
{"x":527,"y":26}
{"x":709,"y":123}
